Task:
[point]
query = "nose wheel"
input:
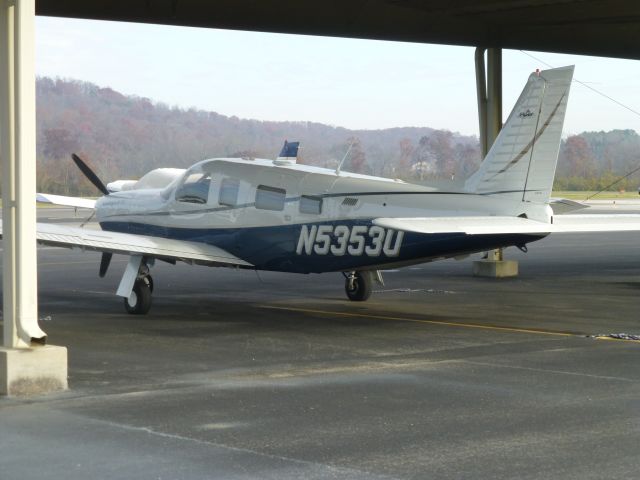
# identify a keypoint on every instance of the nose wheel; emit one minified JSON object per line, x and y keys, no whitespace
{"x":139,"y":301}
{"x":358,"y":285}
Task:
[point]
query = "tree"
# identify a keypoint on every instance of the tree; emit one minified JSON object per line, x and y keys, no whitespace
{"x":357,"y":159}
{"x":59,"y":143}
{"x":467,"y":159}
{"x":406,"y":153}
{"x":577,"y":158}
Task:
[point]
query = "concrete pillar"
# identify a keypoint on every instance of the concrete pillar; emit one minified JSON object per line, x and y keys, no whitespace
{"x":23,"y":340}
{"x":489,"y":93}
{"x":495,"y":266}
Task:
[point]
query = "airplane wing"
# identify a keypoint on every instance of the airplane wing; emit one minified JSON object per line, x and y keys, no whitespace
{"x":596,"y":223}
{"x":488,"y":225}
{"x":564,"y":205}
{"x":132,"y":244}
{"x":66,"y":201}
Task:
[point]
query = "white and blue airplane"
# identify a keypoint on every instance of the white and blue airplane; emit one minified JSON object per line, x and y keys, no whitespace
{"x":282,"y":216}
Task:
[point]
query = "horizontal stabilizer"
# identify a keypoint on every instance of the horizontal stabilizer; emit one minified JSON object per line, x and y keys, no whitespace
{"x":564,"y":205}
{"x":513,"y":225}
{"x":468,"y":225}
{"x":596,"y":223}
{"x":65,"y":201}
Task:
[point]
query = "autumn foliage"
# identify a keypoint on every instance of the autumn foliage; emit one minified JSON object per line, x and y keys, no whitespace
{"x":125,"y":136}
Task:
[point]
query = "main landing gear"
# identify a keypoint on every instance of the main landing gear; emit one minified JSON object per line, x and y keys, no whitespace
{"x":139,"y":300}
{"x":358,"y":285}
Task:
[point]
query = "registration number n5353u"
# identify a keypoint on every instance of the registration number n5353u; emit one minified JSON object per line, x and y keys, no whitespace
{"x":344,"y":240}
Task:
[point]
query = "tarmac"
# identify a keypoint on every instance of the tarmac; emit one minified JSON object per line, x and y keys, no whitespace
{"x":245,"y":375}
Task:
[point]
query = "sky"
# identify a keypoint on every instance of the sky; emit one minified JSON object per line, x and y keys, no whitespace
{"x":357,"y":84}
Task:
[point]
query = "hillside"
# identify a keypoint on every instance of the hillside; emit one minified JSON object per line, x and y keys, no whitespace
{"x":594,"y":160}
{"x":126,"y":136}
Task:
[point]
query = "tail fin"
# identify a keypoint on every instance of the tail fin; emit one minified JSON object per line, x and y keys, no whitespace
{"x":521,"y":164}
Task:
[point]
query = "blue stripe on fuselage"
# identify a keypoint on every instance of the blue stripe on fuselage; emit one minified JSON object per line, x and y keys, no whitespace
{"x":274,"y":248}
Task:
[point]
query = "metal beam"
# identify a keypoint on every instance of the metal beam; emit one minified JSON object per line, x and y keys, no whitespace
{"x":494,"y":94}
{"x":608,"y":28}
{"x":481,"y":95}
{"x":18,"y":152}
{"x":489,"y":93}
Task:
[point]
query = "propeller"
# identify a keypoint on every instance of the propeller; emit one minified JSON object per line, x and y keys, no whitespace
{"x":93,"y":178}
{"x":104,"y":263}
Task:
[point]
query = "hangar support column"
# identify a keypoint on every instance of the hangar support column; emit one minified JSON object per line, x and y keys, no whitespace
{"x":27,"y":366}
{"x":489,"y":93}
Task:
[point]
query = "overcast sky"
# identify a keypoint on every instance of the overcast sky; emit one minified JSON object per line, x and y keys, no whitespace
{"x":351,"y":83}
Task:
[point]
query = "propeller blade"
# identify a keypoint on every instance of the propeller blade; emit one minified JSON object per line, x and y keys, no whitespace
{"x":104,"y":263}
{"x":93,"y":178}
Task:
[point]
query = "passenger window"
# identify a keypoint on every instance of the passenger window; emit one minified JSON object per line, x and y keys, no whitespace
{"x":195,"y":189}
{"x":270,"y":198}
{"x":229,"y":192}
{"x":311,"y":205}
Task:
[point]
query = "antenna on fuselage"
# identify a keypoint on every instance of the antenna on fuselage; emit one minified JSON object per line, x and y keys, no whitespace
{"x":344,"y":158}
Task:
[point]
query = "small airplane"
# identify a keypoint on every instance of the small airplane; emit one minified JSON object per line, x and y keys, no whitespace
{"x":282,"y":216}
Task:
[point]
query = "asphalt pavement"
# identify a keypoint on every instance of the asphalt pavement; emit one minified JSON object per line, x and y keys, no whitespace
{"x":245,"y":375}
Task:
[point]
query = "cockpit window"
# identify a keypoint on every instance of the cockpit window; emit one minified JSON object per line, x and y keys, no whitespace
{"x":310,"y":205}
{"x":195,"y":188}
{"x":229,"y":192}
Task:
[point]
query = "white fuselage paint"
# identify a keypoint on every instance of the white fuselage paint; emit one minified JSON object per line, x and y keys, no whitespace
{"x":324,"y":233}
{"x":377,"y":197}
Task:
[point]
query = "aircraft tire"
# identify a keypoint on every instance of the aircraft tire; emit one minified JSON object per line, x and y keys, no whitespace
{"x":139,"y":302}
{"x":360,"y":289}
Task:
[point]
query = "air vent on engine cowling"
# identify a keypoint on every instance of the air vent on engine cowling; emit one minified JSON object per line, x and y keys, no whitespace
{"x":349,"y":202}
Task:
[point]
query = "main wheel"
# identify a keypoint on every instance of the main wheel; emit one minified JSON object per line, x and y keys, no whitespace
{"x":139,"y":302}
{"x":358,"y":286}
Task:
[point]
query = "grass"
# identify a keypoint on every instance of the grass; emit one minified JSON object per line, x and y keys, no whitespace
{"x":599,"y":196}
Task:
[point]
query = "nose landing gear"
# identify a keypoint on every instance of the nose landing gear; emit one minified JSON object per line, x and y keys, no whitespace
{"x":139,"y":301}
{"x":136,"y":286}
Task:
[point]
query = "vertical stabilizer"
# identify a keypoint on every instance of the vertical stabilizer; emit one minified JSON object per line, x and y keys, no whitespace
{"x":521,"y":164}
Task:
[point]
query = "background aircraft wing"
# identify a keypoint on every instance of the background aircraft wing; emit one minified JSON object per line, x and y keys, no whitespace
{"x":132,"y":244}
{"x":66,"y":201}
{"x":488,"y":225}
{"x":596,"y":223}
{"x":469,"y":225}
{"x":564,"y":205}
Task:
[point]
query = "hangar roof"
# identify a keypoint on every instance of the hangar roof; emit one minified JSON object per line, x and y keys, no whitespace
{"x":592,"y":27}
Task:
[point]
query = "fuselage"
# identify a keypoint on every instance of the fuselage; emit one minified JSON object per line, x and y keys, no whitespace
{"x":299,"y":218}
